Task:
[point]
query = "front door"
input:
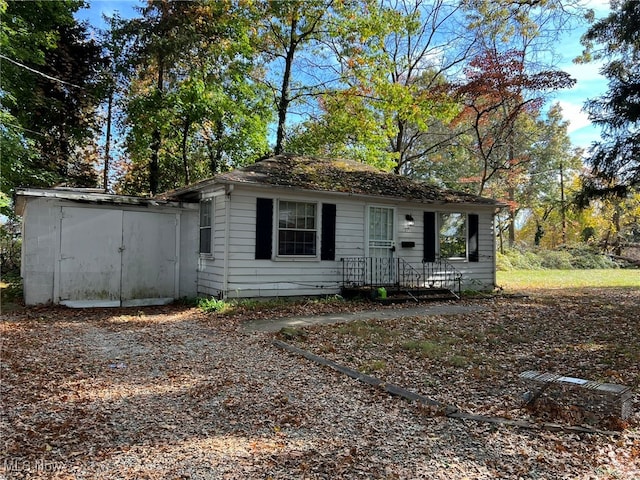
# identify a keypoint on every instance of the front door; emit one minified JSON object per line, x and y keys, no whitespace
{"x":381,"y":245}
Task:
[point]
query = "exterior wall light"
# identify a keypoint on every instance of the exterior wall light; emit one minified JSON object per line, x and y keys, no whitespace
{"x":410,"y":221}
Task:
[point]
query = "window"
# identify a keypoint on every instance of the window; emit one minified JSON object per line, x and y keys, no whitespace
{"x":297,"y":228}
{"x":453,"y":235}
{"x":206,"y":221}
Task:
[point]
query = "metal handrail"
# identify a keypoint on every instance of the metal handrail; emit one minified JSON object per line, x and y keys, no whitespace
{"x":408,"y":275}
{"x":397,"y":272}
{"x":441,"y":274}
{"x":368,"y":272}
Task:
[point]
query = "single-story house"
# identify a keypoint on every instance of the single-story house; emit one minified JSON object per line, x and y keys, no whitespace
{"x":285,"y":226}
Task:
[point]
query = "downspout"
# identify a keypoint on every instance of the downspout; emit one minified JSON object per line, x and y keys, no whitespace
{"x":227,"y":240}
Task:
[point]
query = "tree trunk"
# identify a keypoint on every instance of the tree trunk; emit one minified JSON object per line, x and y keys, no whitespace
{"x":185,"y":160}
{"x":399,"y":147}
{"x":154,"y":169}
{"x":283,"y":104}
{"x":107,"y":144}
{"x":512,"y":217}
{"x":563,"y":210}
{"x":215,"y":151}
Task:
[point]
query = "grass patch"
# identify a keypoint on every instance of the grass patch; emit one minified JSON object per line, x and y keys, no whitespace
{"x":209,"y":305}
{"x":373,"y":366}
{"x":440,"y":350}
{"x":431,"y":349}
{"x":364,"y":330}
{"x":248,"y":305}
{"x":458,"y":361}
{"x":553,"y":279}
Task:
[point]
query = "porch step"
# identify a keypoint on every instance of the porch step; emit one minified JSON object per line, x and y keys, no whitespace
{"x":400,"y":295}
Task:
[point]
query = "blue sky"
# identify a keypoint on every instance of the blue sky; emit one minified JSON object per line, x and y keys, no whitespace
{"x":590,"y":83}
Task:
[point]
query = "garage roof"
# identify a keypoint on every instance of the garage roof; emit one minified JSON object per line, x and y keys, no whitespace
{"x":88,"y":195}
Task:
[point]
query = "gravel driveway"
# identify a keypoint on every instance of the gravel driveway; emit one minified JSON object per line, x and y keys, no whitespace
{"x":171,"y":393}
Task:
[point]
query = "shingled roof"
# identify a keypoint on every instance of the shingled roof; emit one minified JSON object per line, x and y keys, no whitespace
{"x":336,"y":175}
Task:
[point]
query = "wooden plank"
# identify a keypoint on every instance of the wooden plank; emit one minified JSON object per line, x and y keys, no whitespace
{"x":553,"y":427}
{"x":448,"y":410}
{"x":362,"y":377}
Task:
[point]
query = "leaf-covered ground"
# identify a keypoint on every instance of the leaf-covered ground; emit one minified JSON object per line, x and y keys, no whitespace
{"x":173,"y":393}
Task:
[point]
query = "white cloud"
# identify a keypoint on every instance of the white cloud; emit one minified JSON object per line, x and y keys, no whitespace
{"x":574,"y":114}
{"x":584,"y":72}
{"x":601,"y":7}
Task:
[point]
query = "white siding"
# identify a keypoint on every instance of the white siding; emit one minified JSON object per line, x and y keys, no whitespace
{"x":480,"y":275}
{"x":349,"y":229}
{"x":210,"y":269}
{"x":189,"y":238}
{"x":248,"y":277}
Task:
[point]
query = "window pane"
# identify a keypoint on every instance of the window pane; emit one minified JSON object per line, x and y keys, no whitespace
{"x":297,"y":228}
{"x":295,"y":242}
{"x":206,"y":220}
{"x":381,"y":224}
{"x":453,"y":235}
{"x":287,"y":215}
{"x":205,"y":240}
{"x":205,"y":213}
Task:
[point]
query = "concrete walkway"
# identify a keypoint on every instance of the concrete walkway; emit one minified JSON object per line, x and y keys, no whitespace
{"x":276,"y":324}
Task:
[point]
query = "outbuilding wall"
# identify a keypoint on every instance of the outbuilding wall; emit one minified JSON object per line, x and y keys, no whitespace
{"x":43,"y":251}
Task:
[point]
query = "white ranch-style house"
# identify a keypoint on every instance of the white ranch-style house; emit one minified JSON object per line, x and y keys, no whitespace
{"x":285,"y":226}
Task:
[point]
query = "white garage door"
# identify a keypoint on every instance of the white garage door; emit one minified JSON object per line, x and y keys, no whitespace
{"x":115,"y":257}
{"x":148,"y":258}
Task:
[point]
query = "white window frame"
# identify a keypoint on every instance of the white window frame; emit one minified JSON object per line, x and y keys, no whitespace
{"x":315,"y":230}
{"x":465,"y":234}
{"x":203,"y":227}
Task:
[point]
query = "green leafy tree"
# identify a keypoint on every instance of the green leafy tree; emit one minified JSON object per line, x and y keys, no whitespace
{"x":292,"y":33}
{"x":392,"y":59}
{"x":546,"y":187}
{"x":615,"y":159}
{"x":49,"y":95}
{"x":191,"y":94}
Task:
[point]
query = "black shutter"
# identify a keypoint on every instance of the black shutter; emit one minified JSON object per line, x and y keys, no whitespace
{"x":472,"y":229}
{"x":264,"y":228}
{"x":328,"y":241}
{"x":429,"y":237}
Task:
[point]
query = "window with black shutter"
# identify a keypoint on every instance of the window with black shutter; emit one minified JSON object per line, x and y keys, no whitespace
{"x":328,"y":241}
{"x":206,"y":226}
{"x":429,"y":237}
{"x":264,"y":228}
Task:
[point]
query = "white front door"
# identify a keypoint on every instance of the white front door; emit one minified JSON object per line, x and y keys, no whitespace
{"x":381,"y":245}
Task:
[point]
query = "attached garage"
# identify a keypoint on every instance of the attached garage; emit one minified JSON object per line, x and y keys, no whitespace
{"x":85,"y":249}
